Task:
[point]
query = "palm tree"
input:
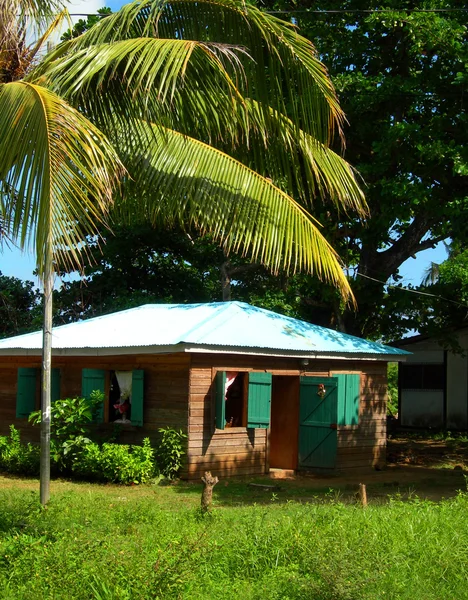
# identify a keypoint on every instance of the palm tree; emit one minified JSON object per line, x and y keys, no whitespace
{"x":193,"y":96}
{"x":57,"y":170}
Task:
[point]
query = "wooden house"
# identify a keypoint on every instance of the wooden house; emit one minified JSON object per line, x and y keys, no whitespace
{"x":253,"y":390}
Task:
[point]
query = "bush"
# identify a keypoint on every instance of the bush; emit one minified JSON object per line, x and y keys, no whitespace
{"x":116,"y":463}
{"x":119,"y":463}
{"x":18,"y":458}
{"x":69,"y":427}
{"x":170,"y":451}
{"x":392,"y":377}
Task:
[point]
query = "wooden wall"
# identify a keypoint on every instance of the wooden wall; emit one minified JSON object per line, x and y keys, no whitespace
{"x":240,"y":451}
{"x":166,"y":390}
{"x":364,"y":445}
{"x":178,"y":393}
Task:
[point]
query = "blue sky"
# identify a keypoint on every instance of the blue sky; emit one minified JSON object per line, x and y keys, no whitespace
{"x":21,"y":264}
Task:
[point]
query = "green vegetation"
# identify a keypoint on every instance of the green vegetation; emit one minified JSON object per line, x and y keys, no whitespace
{"x":16,"y":457}
{"x":392,"y":378}
{"x":171,"y":451}
{"x":82,"y":458}
{"x":152,"y":542}
{"x":19,"y":306}
{"x":76,"y":455}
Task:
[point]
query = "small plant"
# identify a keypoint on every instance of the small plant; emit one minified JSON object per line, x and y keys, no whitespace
{"x":392,"y":377}
{"x":170,"y":451}
{"x":16,"y":457}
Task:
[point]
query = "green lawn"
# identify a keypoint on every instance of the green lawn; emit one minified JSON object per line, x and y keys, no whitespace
{"x":110,"y":542}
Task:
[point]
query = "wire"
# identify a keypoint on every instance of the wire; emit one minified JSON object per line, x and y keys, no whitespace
{"x":403,"y":289}
{"x":369,"y":11}
{"x":330,"y":12}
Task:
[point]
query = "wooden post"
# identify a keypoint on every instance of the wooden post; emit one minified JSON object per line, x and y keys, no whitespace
{"x":207,"y":494}
{"x":362,"y":494}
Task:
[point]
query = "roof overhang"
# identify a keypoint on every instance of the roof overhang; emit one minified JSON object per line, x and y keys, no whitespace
{"x":202,"y":349}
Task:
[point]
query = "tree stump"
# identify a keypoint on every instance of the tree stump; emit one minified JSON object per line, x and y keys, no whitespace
{"x":207,"y":494}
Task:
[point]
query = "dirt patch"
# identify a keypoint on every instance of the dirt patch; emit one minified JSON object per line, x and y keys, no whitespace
{"x":449,"y":453}
{"x":416,"y":467}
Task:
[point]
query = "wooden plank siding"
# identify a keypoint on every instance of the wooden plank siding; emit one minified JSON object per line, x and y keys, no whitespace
{"x":178,"y":393}
{"x":240,"y":451}
{"x":166,"y":385}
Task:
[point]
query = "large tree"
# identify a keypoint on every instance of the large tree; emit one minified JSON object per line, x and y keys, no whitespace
{"x":175,"y":86}
{"x":400,"y":72}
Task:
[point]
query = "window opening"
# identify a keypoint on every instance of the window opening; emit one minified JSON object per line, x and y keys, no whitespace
{"x":120,"y":397}
{"x":235,"y":399}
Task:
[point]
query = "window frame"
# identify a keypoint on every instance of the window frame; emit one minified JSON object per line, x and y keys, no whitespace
{"x":218,"y":386}
{"x":138,"y":375}
{"x":423,"y":376}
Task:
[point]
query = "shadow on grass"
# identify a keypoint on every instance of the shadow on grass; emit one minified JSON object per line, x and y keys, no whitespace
{"x":402,"y":483}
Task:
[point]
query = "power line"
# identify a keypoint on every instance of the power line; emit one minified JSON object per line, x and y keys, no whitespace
{"x":329,"y":11}
{"x":366,"y":11}
{"x":404,"y":289}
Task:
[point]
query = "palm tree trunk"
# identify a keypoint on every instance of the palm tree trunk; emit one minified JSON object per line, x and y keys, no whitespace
{"x":46,"y":377}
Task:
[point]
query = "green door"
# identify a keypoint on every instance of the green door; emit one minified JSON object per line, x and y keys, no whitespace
{"x":318,"y":414}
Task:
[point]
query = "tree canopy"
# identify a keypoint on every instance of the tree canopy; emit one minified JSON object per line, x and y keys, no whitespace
{"x":400,"y":73}
{"x":20,"y":311}
{"x":401,"y":79}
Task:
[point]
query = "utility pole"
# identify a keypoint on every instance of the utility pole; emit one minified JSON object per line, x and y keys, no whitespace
{"x":46,"y":374}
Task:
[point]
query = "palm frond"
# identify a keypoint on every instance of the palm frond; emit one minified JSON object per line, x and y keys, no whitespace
{"x":308,"y":166}
{"x":282,"y":69}
{"x":57,"y":171}
{"x":196,"y":183}
{"x":51,"y":28}
{"x":183,"y":84}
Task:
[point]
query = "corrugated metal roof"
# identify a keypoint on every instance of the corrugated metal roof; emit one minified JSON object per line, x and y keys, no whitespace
{"x":227,"y":325}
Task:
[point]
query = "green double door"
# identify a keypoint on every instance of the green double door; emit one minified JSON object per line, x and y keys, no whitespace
{"x":318,"y":418}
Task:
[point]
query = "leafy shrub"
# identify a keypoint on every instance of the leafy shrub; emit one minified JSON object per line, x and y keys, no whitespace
{"x":392,"y":377}
{"x":70,"y":420}
{"x":71,"y":417}
{"x":15,"y":457}
{"x":119,"y":463}
{"x":170,"y":451}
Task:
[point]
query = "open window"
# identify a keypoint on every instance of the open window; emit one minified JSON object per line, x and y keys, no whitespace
{"x":123,"y":392}
{"x":28,"y":396}
{"x":242,"y":399}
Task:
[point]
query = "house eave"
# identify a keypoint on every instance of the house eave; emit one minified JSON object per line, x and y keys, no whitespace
{"x":202,"y":349}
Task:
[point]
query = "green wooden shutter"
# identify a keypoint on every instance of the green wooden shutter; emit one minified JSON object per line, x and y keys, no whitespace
{"x":259,"y":401}
{"x":137,"y":397}
{"x":220,"y":399}
{"x":55,"y":385}
{"x":26,"y":392}
{"x":348,"y":398}
{"x":94,"y":379}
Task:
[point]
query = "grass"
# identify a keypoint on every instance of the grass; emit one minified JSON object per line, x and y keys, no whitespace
{"x":110,"y":542}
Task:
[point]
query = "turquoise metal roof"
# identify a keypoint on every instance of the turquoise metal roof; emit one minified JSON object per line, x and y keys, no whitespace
{"x":227,"y":326}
